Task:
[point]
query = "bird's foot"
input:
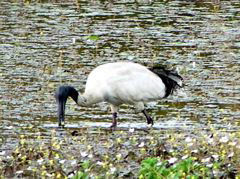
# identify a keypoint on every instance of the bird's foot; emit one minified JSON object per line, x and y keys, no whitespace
{"x":113,"y":126}
{"x":61,"y":125}
{"x":114,"y":122}
{"x":150,"y":121}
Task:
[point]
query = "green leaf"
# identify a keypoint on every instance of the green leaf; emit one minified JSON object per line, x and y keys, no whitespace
{"x":93,"y":37}
{"x":80,"y":175}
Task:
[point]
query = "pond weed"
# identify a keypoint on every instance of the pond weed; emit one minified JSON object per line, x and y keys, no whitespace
{"x":188,"y":168}
{"x":57,"y":154}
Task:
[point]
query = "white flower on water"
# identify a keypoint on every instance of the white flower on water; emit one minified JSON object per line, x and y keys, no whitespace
{"x":193,"y":64}
{"x":9,"y":127}
{"x":184,"y":157}
{"x":49,"y":175}
{"x":90,"y":156}
{"x":141,"y":144}
{"x":3,"y":153}
{"x":119,"y":156}
{"x":131,"y":130}
{"x":210,"y":140}
{"x":231,"y":154}
{"x":159,"y":164}
{"x":99,"y":163}
{"x":209,"y":165}
{"x":71,"y":175}
{"x":224,"y":139}
{"x":113,"y":170}
{"x":74,"y":162}
{"x":172,"y":160}
{"x":206,"y":160}
{"x":232,"y":143}
{"x":19,"y":172}
{"x":30,"y":168}
{"x":195,"y":151}
{"x":188,"y":139}
{"x":73,"y":40}
{"x":62,"y":161}
{"x":9,"y":157}
{"x":215,"y":172}
{"x":84,"y":154}
{"x":40,"y":161}
{"x":215,"y":156}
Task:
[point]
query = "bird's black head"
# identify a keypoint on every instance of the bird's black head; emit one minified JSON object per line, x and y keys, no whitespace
{"x":61,"y":95}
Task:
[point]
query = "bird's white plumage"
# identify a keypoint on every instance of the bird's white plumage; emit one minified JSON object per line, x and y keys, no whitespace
{"x":123,"y":82}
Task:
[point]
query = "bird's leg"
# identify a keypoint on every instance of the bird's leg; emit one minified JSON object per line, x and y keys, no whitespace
{"x":114,"y":110}
{"x":149,"y":119}
{"x":140,"y":108}
{"x":114,"y":120}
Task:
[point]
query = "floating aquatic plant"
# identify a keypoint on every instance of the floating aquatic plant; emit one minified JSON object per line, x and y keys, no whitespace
{"x":210,"y":153}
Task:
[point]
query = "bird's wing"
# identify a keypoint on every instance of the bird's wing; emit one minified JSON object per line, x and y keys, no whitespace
{"x":124,"y":83}
{"x":136,"y":86}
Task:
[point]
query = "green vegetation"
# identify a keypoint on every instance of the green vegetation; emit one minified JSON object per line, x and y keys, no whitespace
{"x":188,"y":168}
{"x":84,"y":173}
{"x":93,"y":37}
{"x":99,"y":153}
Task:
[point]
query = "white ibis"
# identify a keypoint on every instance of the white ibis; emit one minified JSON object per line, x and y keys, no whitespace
{"x":121,"y":83}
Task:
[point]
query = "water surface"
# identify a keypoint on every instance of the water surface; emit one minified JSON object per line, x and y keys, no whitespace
{"x":44,"y":45}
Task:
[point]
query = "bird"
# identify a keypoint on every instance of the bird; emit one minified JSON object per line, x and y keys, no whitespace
{"x":120,"y":83}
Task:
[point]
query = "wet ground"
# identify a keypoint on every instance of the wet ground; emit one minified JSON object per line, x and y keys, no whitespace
{"x":49,"y":43}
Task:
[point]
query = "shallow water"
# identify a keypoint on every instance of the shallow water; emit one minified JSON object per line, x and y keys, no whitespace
{"x":44,"y":45}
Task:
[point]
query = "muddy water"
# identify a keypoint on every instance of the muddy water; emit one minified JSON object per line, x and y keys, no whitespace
{"x":46,"y":44}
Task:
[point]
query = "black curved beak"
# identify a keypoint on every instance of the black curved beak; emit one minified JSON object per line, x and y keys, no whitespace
{"x":61,"y":96}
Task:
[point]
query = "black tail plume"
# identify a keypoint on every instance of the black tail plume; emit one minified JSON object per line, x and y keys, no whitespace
{"x":171,"y":79}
